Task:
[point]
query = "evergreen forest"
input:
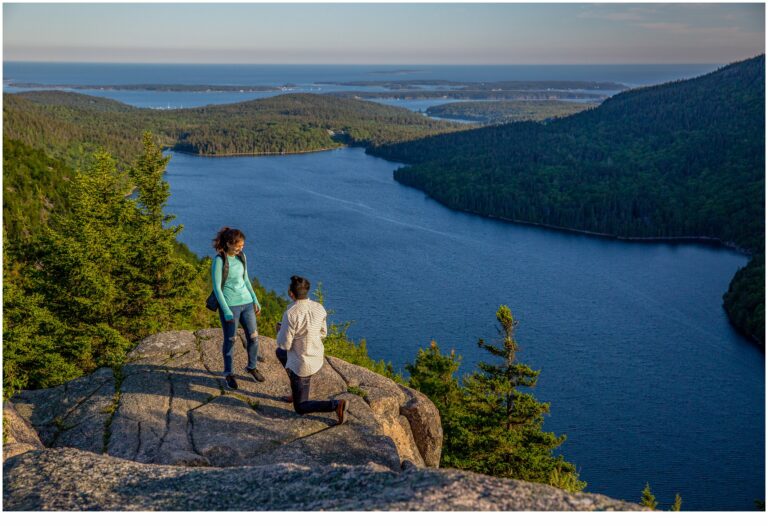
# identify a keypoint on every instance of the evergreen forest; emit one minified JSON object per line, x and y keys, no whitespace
{"x":71,"y":126}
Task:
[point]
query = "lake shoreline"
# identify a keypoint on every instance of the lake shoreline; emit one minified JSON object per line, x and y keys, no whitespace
{"x":671,"y":240}
{"x":260,"y":154}
{"x":703,"y":240}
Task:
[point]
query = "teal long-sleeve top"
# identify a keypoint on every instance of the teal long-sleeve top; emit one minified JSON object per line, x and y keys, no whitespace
{"x":237,"y":290}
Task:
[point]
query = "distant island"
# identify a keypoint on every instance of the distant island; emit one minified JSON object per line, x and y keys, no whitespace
{"x":503,"y":85}
{"x":396,"y":72}
{"x":502,"y":90}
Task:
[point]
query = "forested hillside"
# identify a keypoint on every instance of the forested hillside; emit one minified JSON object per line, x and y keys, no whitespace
{"x":503,"y":111}
{"x":70,"y":125}
{"x":33,"y":186}
{"x":683,"y":159}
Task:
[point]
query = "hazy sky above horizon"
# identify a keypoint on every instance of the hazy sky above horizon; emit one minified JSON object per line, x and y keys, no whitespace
{"x":384,"y":33}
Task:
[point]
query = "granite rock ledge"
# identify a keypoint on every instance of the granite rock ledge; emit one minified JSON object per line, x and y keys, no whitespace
{"x":163,"y":434}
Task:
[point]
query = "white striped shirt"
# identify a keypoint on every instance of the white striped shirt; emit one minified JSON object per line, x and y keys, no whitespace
{"x":301,"y":333}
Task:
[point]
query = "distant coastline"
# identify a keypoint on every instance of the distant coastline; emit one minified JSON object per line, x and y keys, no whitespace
{"x":154,"y":87}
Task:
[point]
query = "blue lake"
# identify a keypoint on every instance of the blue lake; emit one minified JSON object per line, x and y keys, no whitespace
{"x":643,"y":371}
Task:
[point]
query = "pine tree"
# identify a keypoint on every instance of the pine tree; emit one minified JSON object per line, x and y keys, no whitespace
{"x":433,"y":374}
{"x":505,"y":424}
{"x":677,"y":504}
{"x":36,"y":350}
{"x":147,"y":174}
{"x":648,"y":499}
{"x":80,"y":259}
{"x":104,"y":272}
{"x":166,"y":289}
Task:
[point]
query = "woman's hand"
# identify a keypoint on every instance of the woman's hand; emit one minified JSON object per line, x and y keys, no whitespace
{"x":258,"y":310}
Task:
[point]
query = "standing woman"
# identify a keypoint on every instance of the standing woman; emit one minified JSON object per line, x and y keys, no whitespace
{"x":237,"y":301}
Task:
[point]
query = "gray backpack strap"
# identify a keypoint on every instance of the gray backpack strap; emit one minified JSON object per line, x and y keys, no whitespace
{"x":224,"y":268}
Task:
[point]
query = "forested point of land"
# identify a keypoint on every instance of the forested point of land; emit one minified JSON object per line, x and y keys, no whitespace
{"x":509,"y":90}
{"x":499,"y":112}
{"x":472,"y":94}
{"x":682,"y":159}
{"x":71,"y":126}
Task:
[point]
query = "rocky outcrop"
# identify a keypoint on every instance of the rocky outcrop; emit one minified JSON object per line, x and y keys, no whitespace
{"x":18,"y":434}
{"x":163,"y":434}
{"x":69,"y":479}
{"x":168,"y":406}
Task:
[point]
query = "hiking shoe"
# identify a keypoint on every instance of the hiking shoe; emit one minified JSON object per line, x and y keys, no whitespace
{"x":256,"y":374}
{"x":341,"y":411}
{"x":231,"y":382}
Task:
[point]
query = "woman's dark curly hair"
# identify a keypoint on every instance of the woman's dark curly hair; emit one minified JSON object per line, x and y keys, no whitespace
{"x":227,"y":236}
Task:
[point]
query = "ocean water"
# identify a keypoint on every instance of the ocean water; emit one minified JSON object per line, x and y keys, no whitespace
{"x":305,"y":79}
{"x":271,"y":75}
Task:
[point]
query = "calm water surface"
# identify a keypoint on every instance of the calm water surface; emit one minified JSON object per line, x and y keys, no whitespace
{"x":277,"y":75}
{"x":643,"y":371}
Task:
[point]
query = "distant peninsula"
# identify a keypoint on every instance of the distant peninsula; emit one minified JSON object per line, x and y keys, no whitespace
{"x":519,"y":90}
{"x":498,"y":112}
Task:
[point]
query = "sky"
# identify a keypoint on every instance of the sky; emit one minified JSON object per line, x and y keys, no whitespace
{"x":344,"y":33}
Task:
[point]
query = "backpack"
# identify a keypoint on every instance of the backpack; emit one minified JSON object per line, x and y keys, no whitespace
{"x":212,"y":303}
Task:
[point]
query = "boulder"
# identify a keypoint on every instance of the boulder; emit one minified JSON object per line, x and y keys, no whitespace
{"x":389,"y":402}
{"x":424,"y":420}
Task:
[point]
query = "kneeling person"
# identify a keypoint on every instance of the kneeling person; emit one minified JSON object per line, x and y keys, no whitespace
{"x":300,"y":349}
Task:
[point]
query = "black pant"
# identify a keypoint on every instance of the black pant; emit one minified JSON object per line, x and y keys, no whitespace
{"x":300,"y":391}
